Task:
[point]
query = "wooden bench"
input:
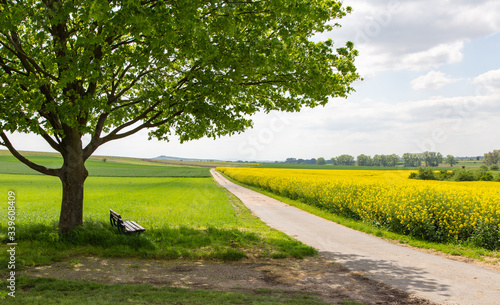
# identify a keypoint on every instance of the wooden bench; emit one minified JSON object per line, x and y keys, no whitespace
{"x":124,"y":227}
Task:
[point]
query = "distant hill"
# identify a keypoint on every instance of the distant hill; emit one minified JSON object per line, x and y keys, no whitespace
{"x":169,"y":158}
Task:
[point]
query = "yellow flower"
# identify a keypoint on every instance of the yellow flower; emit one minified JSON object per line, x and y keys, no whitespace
{"x":384,"y":196}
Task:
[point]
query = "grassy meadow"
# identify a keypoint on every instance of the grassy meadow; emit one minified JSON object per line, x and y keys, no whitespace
{"x":42,"y":291}
{"x":105,"y":167}
{"x":186,"y":214}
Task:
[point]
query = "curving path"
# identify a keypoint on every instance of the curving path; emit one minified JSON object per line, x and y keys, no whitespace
{"x":425,"y":275}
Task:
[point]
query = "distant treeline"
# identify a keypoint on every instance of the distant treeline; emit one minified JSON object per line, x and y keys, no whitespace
{"x":428,"y":158}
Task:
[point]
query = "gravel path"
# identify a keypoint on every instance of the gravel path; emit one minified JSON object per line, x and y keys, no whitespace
{"x":424,"y":275}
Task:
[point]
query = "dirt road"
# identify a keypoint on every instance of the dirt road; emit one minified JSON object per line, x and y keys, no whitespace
{"x":424,"y":275}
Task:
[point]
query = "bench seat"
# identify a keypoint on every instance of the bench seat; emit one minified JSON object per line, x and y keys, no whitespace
{"x":124,"y":227}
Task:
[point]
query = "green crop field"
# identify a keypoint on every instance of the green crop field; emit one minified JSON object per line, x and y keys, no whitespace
{"x":184,"y":217}
{"x":186,"y":214}
{"x":153,"y":202}
{"x":115,"y":167}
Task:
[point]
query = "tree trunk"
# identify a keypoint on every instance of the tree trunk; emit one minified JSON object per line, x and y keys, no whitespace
{"x":73,"y":174}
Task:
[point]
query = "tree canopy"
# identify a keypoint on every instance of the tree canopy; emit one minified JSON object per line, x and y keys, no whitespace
{"x":450,"y":159}
{"x":491,"y":158}
{"x":107,"y":69}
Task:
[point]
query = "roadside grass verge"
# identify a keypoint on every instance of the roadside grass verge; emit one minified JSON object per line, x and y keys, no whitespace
{"x":189,"y":218}
{"x":463,"y":249}
{"x":54,"y":291}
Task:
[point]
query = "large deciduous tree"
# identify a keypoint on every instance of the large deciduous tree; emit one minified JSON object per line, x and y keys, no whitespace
{"x":107,"y":69}
{"x":345,"y":160}
{"x":450,"y":159}
{"x":491,"y":158}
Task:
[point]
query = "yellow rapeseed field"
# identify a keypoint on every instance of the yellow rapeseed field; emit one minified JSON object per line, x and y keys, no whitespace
{"x":432,"y":210}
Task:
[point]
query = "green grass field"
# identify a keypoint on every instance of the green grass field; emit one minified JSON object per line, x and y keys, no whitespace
{"x":186,"y":214}
{"x":154,"y":202}
{"x":184,"y":218}
{"x":112,"y":167}
{"x":51,"y":291}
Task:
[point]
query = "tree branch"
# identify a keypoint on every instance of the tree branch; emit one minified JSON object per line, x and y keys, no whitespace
{"x":262,"y":82}
{"x":125,"y":42}
{"x":129,"y":103}
{"x":147,"y":124}
{"x":114,"y":135}
{"x":39,"y":168}
{"x":135,"y":120}
{"x":95,"y":142}
{"x":132,"y":83}
{"x":53,"y":143}
{"x":50,"y":116}
{"x":98,"y":141}
{"x":28,"y":63}
{"x":9,"y":70}
{"x":114,"y":85}
{"x":178,"y":113}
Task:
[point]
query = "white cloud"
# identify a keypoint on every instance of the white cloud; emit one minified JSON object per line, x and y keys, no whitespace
{"x":415,"y":34}
{"x":433,"y":80}
{"x":433,"y":57}
{"x":465,"y":125}
{"x":406,"y":126}
{"x":374,"y":58}
{"x":391,"y":35}
{"x":488,"y":82}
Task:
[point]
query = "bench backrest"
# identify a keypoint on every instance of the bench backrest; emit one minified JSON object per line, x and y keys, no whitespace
{"x":115,"y":218}
{"x":126,"y":227}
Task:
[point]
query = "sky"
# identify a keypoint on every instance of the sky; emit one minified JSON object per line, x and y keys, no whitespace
{"x":431,"y":82}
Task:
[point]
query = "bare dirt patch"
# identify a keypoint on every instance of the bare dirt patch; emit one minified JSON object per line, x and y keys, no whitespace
{"x":318,"y":276}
